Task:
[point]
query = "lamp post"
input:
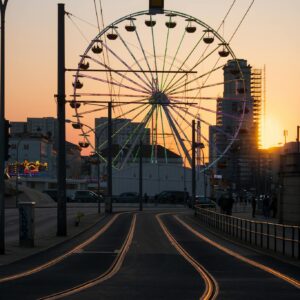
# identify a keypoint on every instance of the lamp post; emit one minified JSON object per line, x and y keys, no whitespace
{"x":2,"y":128}
{"x":204,"y":174}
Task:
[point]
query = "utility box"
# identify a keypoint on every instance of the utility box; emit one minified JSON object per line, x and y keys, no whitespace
{"x":156,"y":6}
{"x":26,"y":224}
{"x":108,"y":205}
{"x":289,"y":193}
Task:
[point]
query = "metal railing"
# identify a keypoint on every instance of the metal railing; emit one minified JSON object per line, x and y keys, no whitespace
{"x":279,"y":238}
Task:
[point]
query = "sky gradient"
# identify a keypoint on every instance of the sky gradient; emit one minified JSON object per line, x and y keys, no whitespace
{"x":269,"y":36}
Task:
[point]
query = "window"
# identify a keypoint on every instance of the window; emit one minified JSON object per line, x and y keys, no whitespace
{"x":26,"y":147}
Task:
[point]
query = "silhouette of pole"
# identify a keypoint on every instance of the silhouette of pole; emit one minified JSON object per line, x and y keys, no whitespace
{"x":109,"y":159}
{"x":193,"y":163}
{"x":298,"y":141}
{"x":141,"y":176}
{"x":61,"y":114}
{"x":2,"y":129}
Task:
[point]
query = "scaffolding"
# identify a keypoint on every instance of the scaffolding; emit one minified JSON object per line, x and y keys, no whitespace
{"x":259,"y":106}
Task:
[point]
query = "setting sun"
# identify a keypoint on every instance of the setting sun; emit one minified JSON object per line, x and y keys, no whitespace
{"x":271,"y":132}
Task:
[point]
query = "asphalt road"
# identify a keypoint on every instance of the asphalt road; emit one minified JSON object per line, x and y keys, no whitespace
{"x":147,"y":266}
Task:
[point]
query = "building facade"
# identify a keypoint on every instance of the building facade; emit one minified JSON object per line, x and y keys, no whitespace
{"x":236,"y":167}
{"x":124,"y":131}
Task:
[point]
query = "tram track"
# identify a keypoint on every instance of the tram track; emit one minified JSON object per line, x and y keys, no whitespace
{"x":110,"y":272}
{"x":63,"y":256}
{"x":292,"y":281}
{"x":211,"y":285}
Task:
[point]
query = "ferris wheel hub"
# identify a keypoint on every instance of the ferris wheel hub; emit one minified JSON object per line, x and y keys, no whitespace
{"x":159,"y":98}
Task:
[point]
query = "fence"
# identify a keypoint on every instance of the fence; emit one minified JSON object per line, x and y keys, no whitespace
{"x":279,"y":238}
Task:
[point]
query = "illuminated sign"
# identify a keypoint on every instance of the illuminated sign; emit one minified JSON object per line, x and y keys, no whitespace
{"x":156,"y":6}
{"x":27,"y":168}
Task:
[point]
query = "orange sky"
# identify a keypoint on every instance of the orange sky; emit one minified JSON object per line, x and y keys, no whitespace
{"x":269,"y":36}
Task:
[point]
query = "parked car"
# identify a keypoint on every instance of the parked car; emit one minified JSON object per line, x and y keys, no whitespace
{"x":172,"y":197}
{"x":86,"y":196}
{"x":205,"y":202}
{"x":128,"y":197}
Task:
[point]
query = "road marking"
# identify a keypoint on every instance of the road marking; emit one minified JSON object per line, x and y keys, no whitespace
{"x":211,"y":285}
{"x":81,"y":251}
{"x":62,"y":257}
{"x":113,"y":269}
{"x":251,"y":262}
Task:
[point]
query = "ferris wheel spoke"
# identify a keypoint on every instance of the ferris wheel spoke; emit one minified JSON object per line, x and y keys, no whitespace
{"x":136,"y":61}
{"x":142,"y":139}
{"x":113,"y":83}
{"x":179,"y":139}
{"x":154,"y":133}
{"x":215,"y":112}
{"x":202,"y":87}
{"x":125,"y":64}
{"x":145,"y":57}
{"x":163,"y":134}
{"x":121,"y":128}
{"x":165,"y":54}
{"x":197,"y":78}
{"x":180,"y":129}
{"x":154,"y":55}
{"x":174,"y":58}
{"x":189,"y":125}
{"x":184,"y":62}
{"x":169,"y":86}
{"x":120,"y":74}
{"x":110,"y":95}
{"x":80,"y":114}
{"x":209,"y":124}
{"x":120,"y":116}
{"x":138,"y":132}
{"x":209,"y":75}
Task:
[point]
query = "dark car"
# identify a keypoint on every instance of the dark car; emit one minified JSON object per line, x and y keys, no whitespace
{"x":86,"y":196}
{"x":172,"y":197}
{"x":54,"y":196}
{"x":128,"y":197}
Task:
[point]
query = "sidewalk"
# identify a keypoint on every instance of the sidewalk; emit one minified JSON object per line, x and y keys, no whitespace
{"x":244,"y":211}
{"x":47,"y":239}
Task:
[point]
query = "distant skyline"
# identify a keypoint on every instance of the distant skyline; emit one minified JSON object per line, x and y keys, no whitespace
{"x":268,"y":37}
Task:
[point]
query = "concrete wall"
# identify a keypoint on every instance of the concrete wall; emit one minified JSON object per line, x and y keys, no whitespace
{"x":156,"y":178}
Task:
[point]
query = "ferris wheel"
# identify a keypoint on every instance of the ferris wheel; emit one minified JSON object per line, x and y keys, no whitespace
{"x":160,"y":72}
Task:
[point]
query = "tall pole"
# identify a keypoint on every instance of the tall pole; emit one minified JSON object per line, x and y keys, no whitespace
{"x":109,"y":159}
{"x":98,"y":185}
{"x":2,"y":129}
{"x":61,"y":116}
{"x":193,"y":163}
{"x":141,"y":176}
{"x":204,"y":175}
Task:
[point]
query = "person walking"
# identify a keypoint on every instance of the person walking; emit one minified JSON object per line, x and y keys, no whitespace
{"x":253,"y":204}
{"x":273,"y":206}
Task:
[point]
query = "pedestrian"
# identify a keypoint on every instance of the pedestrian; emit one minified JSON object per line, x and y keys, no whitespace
{"x":266,"y":206}
{"x":273,"y":206}
{"x":253,"y":204}
{"x":229,"y":204}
